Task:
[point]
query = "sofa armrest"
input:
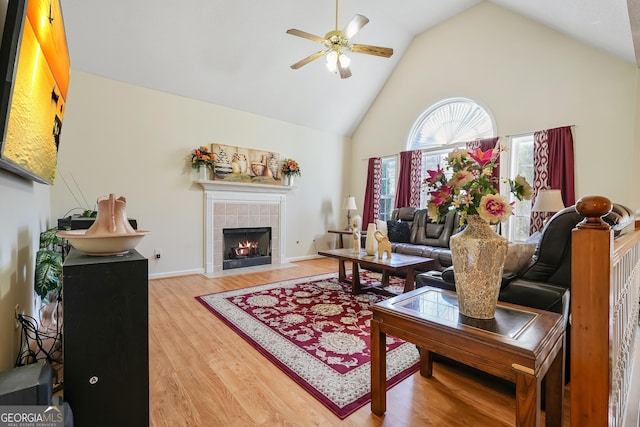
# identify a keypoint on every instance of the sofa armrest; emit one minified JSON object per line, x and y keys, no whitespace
{"x":543,"y":296}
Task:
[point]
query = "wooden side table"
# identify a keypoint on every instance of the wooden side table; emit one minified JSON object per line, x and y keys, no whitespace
{"x":341,"y":233}
{"x":521,"y":344}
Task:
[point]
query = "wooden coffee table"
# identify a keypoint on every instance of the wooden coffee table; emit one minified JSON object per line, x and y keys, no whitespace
{"x":396,"y":264}
{"x":522,"y":345}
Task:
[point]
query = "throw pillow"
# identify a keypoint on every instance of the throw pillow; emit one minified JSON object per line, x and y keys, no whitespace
{"x":518,"y":257}
{"x":398,"y":231}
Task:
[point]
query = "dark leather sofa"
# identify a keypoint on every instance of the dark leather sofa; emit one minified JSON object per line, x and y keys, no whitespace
{"x":411,"y":233}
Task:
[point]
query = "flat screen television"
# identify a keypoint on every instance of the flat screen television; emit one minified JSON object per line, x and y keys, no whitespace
{"x":34,"y":78}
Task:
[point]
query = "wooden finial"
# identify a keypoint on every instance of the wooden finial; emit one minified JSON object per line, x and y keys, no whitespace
{"x":593,"y":208}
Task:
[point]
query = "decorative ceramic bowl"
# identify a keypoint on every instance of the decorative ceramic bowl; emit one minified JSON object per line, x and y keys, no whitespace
{"x":102,"y":244}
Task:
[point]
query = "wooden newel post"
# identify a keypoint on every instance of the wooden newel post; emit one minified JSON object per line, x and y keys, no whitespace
{"x":592,"y":246}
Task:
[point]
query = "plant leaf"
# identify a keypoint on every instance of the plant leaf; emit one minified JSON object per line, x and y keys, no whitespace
{"x":48,"y":272}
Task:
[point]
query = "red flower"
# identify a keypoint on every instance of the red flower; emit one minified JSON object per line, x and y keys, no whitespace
{"x":441,"y":195}
{"x":482,"y":157}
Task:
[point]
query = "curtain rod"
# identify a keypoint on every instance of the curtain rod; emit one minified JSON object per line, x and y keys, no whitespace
{"x":529,"y":133}
{"x":382,"y":157}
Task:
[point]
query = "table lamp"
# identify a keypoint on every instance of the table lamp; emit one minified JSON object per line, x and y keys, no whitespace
{"x":349,"y":204}
{"x":548,"y":201}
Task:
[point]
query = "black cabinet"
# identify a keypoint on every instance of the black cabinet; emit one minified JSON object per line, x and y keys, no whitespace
{"x":106,"y":339}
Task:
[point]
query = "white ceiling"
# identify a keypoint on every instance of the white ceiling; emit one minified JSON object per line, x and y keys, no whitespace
{"x":236,"y":53}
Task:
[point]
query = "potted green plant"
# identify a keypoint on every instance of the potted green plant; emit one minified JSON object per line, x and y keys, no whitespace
{"x":49,"y":259}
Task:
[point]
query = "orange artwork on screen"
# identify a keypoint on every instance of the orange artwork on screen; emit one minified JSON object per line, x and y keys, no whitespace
{"x":39,"y":93}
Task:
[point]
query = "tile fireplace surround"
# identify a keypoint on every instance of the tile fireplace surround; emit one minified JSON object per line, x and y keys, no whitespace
{"x":231,"y":205}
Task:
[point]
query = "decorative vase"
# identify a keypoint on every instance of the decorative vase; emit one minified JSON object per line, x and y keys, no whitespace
{"x":111,"y":217}
{"x":478,"y":254}
{"x":288,"y":180}
{"x":371,"y":244}
{"x":274,"y":165}
{"x":204,"y":173}
{"x":222,"y":163}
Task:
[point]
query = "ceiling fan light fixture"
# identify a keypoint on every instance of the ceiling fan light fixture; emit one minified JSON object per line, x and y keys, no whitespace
{"x":332,"y":61}
{"x":344,"y":60}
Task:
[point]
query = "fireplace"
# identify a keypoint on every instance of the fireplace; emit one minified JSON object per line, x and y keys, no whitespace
{"x":246,"y":247}
{"x":234,"y":205}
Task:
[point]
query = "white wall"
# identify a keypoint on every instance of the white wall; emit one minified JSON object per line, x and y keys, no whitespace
{"x":136,"y":143}
{"x":530,"y":77}
{"x":23,"y":215}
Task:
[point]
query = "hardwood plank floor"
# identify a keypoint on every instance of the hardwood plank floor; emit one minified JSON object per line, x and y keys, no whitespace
{"x":203,"y":374}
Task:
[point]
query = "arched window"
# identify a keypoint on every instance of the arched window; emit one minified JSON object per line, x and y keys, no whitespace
{"x":449,"y":121}
{"x":443,"y":126}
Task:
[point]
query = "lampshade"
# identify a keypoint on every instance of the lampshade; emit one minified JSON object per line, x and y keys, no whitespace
{"x":548,"y":201}
{"x":349,"y":203}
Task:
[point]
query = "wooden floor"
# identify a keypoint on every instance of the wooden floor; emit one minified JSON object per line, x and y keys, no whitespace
{"x":203,"y":374}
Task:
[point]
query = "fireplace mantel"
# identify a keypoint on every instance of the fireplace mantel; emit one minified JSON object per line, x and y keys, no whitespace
{"x":236,"y":204}
{"x":244,"y":187}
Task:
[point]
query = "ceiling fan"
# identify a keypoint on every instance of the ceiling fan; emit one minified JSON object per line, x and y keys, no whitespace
{"x":338,"y":40}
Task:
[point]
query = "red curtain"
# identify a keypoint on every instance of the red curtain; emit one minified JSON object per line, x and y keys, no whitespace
{"x":371,"y":205}
{"x":409,"y":179}
{"x":552,"y":168}
{"x":484,"y":145}
{"x":561,"y":163}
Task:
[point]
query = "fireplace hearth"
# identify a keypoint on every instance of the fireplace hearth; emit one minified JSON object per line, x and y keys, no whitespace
{"x":246,"y":247}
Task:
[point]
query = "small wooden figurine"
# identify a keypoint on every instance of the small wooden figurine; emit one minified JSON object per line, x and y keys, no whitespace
{"x":384,"y":245}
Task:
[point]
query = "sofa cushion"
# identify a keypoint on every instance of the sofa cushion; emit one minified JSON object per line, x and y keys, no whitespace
{"x":443,"y":255}
{"x":405,"y":214}
{"x":398,"y":231}
{"x":415,"y":250}
{"x":425,"y":232}
{"x":519,"y":256}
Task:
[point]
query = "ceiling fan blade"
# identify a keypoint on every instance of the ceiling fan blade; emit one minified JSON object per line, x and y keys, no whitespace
{"x":355,"y":25}
{"x":305,"y":35}
{"x":344,"y":70}
{"x":385,"y":52}
{"x":308,"y":59}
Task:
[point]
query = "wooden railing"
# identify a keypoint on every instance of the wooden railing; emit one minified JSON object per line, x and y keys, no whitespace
{"x":605,"y":292}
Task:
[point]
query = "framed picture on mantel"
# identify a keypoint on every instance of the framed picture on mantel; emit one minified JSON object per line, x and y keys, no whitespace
{"x":239,"y":164}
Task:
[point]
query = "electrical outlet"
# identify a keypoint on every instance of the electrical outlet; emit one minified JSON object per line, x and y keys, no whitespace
{"x":157,"y":253}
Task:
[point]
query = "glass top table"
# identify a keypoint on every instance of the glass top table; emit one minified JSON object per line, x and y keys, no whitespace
{"x":509,"y":322}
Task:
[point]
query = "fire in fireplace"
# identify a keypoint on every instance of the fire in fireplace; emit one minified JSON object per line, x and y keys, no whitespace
{"x":246,"y":247}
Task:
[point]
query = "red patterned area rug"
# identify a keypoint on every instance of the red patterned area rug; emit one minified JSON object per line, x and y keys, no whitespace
{"x":317,"y":333}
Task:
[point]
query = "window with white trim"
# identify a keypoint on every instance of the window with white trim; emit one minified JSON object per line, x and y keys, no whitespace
{"x":387,"y":187}
{"x":519,"y":162}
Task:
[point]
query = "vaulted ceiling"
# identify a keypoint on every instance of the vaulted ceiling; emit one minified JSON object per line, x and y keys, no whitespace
{"x":237,"y":54}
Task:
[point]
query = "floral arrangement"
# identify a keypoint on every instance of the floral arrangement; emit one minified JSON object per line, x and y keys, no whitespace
{"x":471,"y":188}
{"x":201,"y":156}
{"x":290,"y":167}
